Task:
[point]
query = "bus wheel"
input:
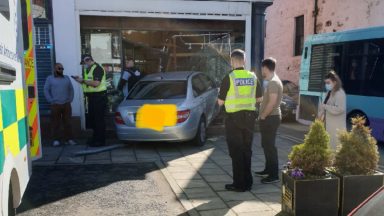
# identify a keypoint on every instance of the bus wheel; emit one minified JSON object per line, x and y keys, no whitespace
{"x":355,"y":114}
{"x":11,"y":209}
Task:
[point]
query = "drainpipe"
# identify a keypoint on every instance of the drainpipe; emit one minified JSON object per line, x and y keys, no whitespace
{"x":315,"y":14}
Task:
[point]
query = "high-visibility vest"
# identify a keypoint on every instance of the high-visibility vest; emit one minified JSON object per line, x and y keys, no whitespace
{"x":89,"y":76}
{"x":242,"y":91}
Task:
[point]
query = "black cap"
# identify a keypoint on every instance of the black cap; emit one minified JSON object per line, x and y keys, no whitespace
{"x":85,"y":57}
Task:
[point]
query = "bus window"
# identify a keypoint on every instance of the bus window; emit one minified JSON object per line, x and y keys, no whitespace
{"x":4,"y":9}
{"x":324,"y":58}
{"x":364,"y":72}
{"x":24,"y":20}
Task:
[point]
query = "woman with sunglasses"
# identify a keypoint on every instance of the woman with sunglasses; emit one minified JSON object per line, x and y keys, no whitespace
{"x":333,"y":109}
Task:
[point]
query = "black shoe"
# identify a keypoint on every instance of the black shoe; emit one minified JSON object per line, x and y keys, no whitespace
{"x":232,"y":187}
{"x":270,"y":180}
{"x":261,"y":173}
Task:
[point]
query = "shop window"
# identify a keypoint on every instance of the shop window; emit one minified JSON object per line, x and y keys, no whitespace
{"x":161,"y":45}
{"x":299,"y":35}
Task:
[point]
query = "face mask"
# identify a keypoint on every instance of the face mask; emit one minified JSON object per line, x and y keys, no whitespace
{"x":265,"y":83}
{"x":328,"y":87}
{"x":86,"y":66}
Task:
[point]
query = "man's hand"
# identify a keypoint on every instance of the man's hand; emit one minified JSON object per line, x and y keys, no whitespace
{"x":78,"y":79}
{"x":220,"y":102}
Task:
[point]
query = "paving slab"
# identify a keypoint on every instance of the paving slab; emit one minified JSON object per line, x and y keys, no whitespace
{"x":265,"y":188}
{"x":248,"y":206}
{"x":204,"y":204}
{"x":218,"y":178}
{"x":194,"y":193}
{"x":191,"y":183}
{"x":228,"y":196}
{"x":186,"y":176}
{"x":217,"y":212}
{"x":205,"y":172}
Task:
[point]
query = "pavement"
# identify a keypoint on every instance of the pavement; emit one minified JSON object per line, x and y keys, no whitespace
{"x":197,"y":175}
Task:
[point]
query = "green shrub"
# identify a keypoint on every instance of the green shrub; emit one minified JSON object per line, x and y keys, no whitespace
{"x":314,"y":155}
{"x":358,"y":154}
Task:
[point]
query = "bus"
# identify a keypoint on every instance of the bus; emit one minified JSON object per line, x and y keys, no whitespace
{"x":19,"y":123}
{"x":357,"y":56}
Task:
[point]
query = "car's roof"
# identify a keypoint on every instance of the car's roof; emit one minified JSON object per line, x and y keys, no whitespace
{"x":180,"y":75}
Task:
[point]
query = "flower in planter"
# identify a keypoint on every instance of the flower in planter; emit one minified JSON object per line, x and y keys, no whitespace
{"x":358,"y":154}
{"x":297,"y":173}
{"x":287,"y":166}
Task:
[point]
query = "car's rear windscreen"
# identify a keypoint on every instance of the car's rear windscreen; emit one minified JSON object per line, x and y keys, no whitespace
{"x":147,"y":90}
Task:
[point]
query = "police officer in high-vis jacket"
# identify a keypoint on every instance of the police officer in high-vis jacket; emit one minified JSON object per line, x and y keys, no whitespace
{"x":94,"y":87}
{"x":239,"y":92}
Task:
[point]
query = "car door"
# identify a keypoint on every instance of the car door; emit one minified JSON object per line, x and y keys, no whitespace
{"x":199,"y":93}
{"x":210,"y":96}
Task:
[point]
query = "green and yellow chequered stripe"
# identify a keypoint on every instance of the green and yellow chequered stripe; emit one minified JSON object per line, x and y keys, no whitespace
{"x":13,"y":124}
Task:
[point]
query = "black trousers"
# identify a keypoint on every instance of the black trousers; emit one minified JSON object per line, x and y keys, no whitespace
{"x":268,"y":130}
{"x":239,"y":129}
{"x":97,"y":104}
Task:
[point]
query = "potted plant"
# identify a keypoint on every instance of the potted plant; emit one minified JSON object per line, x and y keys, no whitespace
{"x":356,"y":163}
{"x":308,"y":189}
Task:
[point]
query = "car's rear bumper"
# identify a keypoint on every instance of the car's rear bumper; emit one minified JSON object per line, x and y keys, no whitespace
{"x":181,"y":132}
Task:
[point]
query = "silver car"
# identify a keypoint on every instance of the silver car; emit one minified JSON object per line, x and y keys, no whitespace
{"x":194,"y":94}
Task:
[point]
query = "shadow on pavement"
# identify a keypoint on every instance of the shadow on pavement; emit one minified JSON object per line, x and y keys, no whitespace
{"x":53,"y":183}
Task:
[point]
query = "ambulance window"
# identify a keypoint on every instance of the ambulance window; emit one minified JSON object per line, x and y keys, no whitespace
{"x":24,"y":19}
{"x":4,"y":8}
{"x":7,"y":74}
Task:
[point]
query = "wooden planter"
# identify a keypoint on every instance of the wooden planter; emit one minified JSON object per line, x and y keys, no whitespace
{"x":317,"y":197}
{"x":356,"y":188}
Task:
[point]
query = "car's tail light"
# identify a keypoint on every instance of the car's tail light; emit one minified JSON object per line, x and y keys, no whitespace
{"x":183,"y":115}
{"x":118,"y":118}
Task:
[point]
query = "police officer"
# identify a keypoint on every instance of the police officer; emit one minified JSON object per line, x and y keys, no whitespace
{"x":94,"y":87}
{"x":239,"y":93}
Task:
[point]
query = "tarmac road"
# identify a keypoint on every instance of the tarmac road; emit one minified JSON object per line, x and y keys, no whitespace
{"x":109,"y":189}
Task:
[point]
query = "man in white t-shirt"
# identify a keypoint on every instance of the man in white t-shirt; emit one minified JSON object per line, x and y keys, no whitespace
{"x":129,"y":77}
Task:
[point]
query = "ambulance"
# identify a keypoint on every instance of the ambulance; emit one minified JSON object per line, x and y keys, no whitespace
{"x":19,"y":117}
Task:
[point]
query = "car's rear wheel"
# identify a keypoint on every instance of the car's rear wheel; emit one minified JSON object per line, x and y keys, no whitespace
{"x":201,"y":135}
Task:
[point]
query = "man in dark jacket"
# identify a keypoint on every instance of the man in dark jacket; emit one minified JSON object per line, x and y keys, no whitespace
{"x":129,"y":77}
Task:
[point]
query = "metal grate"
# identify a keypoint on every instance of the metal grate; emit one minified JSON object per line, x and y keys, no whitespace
{"x":44,"y":61}
{"x":43,"y":35}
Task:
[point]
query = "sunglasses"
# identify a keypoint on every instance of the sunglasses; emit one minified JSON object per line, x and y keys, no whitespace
{"x":60,"y":68}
